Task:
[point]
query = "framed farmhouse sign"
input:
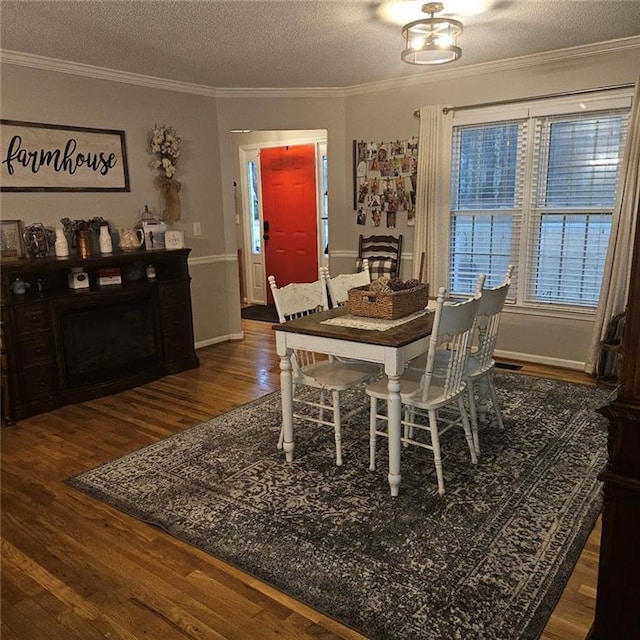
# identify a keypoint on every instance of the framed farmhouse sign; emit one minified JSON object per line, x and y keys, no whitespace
{"x":49,"y":157}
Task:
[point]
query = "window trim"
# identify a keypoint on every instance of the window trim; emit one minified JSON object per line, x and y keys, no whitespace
{"x":528,"y":110}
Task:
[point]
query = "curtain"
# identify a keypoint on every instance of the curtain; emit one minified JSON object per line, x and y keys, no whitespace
{"x":431,"y":235}
{"x":615,"y":280}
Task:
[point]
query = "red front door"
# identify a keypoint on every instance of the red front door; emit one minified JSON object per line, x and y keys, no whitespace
{"x":288,"y":178}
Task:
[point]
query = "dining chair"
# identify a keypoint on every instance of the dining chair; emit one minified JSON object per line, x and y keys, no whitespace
{"x":443,"y":356}
{"x":383,"y":252}
{"x":317,"y":371}
{"x":425,"y":393}
{"x":481,"y":363}
{"x":338,"y":286}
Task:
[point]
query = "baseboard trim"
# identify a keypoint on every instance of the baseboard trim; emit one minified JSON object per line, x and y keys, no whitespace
{"x":218,"y":339}
{"x":537,"y":359}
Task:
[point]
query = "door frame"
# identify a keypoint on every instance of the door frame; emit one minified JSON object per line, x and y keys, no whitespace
{"x":254,"y":272}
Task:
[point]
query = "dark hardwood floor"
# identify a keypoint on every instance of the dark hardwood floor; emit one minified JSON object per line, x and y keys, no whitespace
{"x":76,"y":569}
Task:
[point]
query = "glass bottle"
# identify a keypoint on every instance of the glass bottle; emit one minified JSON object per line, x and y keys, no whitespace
{"x":83,"y":242}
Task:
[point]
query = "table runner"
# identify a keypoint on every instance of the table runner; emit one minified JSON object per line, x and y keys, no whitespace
{"x":372,"y":324}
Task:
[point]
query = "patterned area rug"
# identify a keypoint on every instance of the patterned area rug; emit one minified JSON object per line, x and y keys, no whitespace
{"x":487,"y":560}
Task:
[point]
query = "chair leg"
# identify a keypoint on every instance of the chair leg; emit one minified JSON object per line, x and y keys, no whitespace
{"x":435,"y":443}
{"x":407,"y":431}
{"x":373,"y":410}
{"x":323,"y":399}
{"x":337,"y":426}
{"x":474,"y":416}
{"x":281,"y":437}
{"x":482,"y":400}
{"x":409,"y":417}
{"x":467,"y":430}
{"x":494,"y":400}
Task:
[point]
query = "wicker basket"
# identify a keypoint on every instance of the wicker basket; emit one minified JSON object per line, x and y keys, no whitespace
{"x":387,"y":304}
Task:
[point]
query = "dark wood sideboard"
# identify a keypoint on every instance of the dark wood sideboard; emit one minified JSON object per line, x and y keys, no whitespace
{"x":63,"y":345}
{"x":617,"y":614}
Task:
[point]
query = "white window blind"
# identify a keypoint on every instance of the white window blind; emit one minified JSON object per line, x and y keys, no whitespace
{"x":537,"y":193}
{"x":576,"y":164}
{"x":488,"y":174}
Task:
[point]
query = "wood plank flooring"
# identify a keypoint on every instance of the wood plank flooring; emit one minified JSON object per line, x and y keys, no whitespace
{"x":76,"y":569}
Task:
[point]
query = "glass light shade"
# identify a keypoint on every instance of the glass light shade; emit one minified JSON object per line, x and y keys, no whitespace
{"x":431,"y":41}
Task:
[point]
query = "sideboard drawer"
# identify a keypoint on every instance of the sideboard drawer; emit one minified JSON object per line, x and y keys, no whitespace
{"x":37,"y":349}
{"x":40,"y":384}
{"x":31,"y":317}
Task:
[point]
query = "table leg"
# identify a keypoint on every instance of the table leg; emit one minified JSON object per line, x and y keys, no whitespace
{"x":394,"y":409}
{"x":286,"y":393}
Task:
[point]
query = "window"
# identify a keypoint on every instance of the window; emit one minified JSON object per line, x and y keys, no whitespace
{"x":254,"y":206}
{"x":536,"y":192}
{"x":324,"y":210}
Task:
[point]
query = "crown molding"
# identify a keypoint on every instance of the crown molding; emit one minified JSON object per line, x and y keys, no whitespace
{"x":510,"y":64}
{"x":102,"y":73}
{"x":435,"y":75}
{"x":276,"y":92}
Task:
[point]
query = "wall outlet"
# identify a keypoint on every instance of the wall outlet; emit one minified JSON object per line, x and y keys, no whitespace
{"x":197,"y":230}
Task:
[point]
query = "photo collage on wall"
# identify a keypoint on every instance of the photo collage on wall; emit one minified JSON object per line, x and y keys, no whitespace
{"x":385,"y":182}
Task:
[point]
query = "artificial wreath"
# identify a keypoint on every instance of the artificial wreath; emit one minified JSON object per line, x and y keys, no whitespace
{"x":166,"y":145}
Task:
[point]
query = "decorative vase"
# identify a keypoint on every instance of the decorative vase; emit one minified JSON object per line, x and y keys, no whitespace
{"x":83,"y":243}
{"x":61,"y":245}
{"x":106,"y":244}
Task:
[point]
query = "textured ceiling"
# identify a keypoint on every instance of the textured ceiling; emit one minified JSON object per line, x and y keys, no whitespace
{"x":288,"y":43}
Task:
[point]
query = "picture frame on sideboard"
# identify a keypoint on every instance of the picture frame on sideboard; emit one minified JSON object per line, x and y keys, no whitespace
{"x":11,"y":240}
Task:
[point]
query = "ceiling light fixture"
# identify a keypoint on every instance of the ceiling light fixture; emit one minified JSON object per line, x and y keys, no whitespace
{"x":431,"y":40}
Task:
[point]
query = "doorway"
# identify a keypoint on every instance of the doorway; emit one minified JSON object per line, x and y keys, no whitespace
{"x":280,"y":245}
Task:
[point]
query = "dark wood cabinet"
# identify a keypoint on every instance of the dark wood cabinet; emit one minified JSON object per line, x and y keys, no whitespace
{"x":617,"y":614}
{"x":63,"y":345}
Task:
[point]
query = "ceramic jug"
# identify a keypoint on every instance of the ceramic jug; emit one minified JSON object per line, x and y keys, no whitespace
{"x":130,"y":239}
{"x":19,"y":286}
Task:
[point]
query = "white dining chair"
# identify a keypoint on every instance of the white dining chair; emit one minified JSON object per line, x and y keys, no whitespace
{"x":338,"y":286}
{"x":317,"y":371}
{"x":424,"y":393}
{"x":481,"y":363}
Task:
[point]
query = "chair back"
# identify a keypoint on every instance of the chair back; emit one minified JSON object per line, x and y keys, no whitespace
{"x":383,"y":254}
{"x":488,"y":321}
{"x":453,"y":328}
{"x":295,"y":300}
{"x":339,"y":285}
{"x":299,"y":299}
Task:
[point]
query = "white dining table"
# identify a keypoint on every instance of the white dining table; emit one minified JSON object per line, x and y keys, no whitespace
{"x":392,"y":348}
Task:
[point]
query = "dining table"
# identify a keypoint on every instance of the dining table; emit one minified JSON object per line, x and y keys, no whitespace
{"x":328,"y":332}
